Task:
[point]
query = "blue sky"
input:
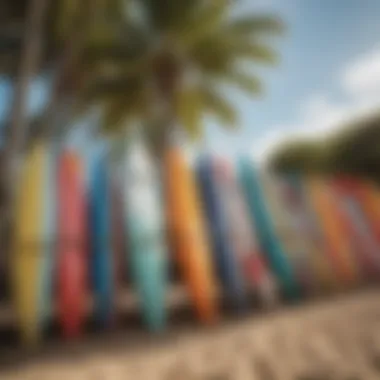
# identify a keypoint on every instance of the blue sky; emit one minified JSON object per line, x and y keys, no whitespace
{"x":330,"y":71}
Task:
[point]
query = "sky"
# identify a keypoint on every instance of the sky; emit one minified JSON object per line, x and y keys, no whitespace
{"x":329,"y":72}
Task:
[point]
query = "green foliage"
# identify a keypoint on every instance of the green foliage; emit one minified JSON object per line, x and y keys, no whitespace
{"x":186,"y":49}
{"x":61,"y":20}
{"x":355,"y":149}
{"x":304,"y":156}
{"x":138,"y":53}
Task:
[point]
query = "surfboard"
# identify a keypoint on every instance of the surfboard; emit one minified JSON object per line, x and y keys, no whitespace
{"x":304,"y":220}
{"x":270,"y":244}
{"x":276,"y":190}
{"x":50,"y":236}
{"x":242,"y":237}
{"x":72,"y":264}
{"x":336,"y":244}
{"x":188,"y":235}
{"x":28,"y":251}
{"x":358,"y":230}
{"x":368,"y":194}
{"x":225,"y":259}
{"x":147,"y":250}
{"x":118,"y":230}
{"x":101,"y":237}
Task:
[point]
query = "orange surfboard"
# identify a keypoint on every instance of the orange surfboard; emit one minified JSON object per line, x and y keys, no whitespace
{"x":188,"y":235}
{"x":337,"y":244}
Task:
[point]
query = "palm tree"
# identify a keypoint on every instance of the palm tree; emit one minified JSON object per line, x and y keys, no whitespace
{"x":29,"y":62}
{"x":171,"y":63}
{"x":56,"y":34}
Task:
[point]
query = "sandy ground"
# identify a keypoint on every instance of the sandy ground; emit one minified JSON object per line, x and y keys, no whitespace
{"x":333,"y":339}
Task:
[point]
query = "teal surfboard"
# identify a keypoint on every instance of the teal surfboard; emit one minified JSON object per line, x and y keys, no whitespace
{"x":278,"y":197}
{"x":147,"y":250}
{"x":269,"y":241}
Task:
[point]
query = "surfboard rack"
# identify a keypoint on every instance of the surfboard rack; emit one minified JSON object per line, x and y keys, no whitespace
{"x":126,"y":302}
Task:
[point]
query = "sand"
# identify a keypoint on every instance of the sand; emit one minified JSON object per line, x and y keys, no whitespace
{"x":332,"y":339}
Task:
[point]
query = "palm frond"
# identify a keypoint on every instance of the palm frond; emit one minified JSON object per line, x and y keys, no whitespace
{"x":218,"y":106}
{"x":221,"y":51}
{"x":127,"y":87}
{"x":244,"y":81}
{"x":165,"y":15}
{"x":117,"y":53}
{"x":119,"y":111}
{"x":256,"y":25}
{"x":189,"y":111}
{"x":64,"y":12}
{"x":211,"y":56}
{"x":206,"y":21}
{"x":122,"y":56}
{"x":254,"y":51}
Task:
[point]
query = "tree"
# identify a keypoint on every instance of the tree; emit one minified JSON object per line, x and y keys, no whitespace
{"x":56,"y":35}
{"x":353,"y":150}
{"x":29,"y":61}
{"x":164,"y":59}
{"x":172,"y":62}
{"x":302,"y":156}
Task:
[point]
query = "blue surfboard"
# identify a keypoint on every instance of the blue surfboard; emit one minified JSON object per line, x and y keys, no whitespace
{"x":224,"y":256}
{"x":101,"y":245}
{"x":147,"y":253}
{"x":269,"y":241}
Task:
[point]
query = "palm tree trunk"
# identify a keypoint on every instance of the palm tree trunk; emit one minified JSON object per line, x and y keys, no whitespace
{"x":28,"y":67}
{"x":30,"y":57}
{"x":68,"y":77}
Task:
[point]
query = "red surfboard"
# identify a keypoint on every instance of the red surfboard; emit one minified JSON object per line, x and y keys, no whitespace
{"x":357,"y":227}
{"x":72,"y":250}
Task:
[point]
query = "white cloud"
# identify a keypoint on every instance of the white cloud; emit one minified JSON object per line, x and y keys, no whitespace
{"x":319,"y":116}
{"x":363,"y":76}
{"x":264,"y":145}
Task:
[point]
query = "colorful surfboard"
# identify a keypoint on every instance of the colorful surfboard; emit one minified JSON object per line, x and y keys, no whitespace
{"x":27,"y":259}
{"x":358,"y":230}
{"x":275,"y":189}
{"x":269,"y":241}
{"x":50,"y":236}
{"x":147,"y":251}
{"x":119,"y":241}
{"x":337,"y":246}
{"x":243,"y":238}
{"x":301,"y":214}
{"x":368,"y":194}
{"x":188,"y":235}
{"x":72,"y":264}
{"x":101,"y":237}
{"x":225,"y":259}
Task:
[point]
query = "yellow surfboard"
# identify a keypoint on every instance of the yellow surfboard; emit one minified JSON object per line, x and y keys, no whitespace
{"x":337,"y":245}
{"x":26,"y":260}
{"x":189,"y":236}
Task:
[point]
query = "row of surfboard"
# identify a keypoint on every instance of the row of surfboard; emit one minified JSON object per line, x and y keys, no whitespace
{"x":230,"y":229}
